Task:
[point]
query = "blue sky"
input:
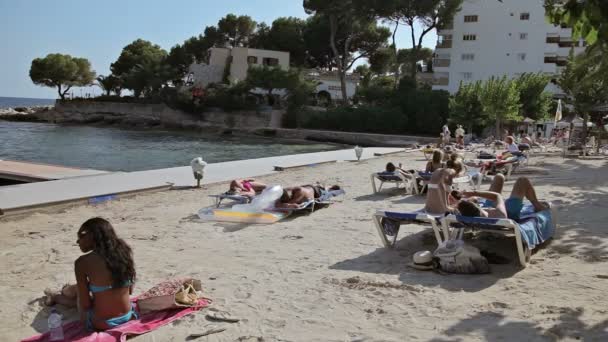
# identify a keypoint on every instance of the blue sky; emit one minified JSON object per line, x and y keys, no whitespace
{"x":98,"y":30}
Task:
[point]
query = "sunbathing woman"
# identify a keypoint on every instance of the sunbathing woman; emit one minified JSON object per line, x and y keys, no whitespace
{"x":439,"y":186}
{"x":246,"y":187}
{"x":436,"y":162}
{"x":104,"y":278}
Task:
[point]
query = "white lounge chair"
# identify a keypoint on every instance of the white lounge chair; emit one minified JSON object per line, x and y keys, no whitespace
{"x":397,"y":178}
{"x":531,"y":230}
{"x":388,"y":222}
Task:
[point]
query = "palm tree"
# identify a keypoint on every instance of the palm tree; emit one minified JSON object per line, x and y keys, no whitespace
{"x":109,"y":84}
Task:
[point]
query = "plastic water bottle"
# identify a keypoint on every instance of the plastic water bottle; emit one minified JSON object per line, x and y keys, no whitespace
{"x":55,"y":326}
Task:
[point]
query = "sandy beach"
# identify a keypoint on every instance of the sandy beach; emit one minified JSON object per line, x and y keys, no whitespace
{"x":325,"y":276}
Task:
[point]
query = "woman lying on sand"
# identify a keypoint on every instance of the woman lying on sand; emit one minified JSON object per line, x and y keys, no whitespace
{"x":104,"y":278}
{"x":246,"y":187}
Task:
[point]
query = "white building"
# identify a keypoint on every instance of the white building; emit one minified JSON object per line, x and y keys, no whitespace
{"x":492,"y":38}
{"x":237,"y":60}
{"x":233,"y":63}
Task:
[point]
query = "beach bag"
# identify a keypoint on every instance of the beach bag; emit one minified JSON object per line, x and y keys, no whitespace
{"x":454,"y":256}
{"x":170,"y":294}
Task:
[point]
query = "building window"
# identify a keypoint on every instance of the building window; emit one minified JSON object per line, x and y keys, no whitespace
{"x":469,"y":37}
{"x":523,"y":36}
{"x":252,"y":60}
{"x":470,"y":18}
{"x":467,"y":75}
{"x":467,"y":56}
{"x":270,"y":61}
{"x":524,"y":16}
{"x":521,"y":56}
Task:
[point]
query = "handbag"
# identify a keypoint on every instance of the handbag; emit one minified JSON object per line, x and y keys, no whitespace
{"x":170,"y":294}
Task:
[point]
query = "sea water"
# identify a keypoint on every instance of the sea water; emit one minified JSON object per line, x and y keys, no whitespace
{"x":115,"y":149}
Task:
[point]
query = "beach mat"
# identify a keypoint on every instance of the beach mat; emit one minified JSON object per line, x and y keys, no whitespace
{"x":77,"y":332}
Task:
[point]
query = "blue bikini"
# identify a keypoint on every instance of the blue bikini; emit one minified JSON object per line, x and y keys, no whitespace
{"x":112,"y":322}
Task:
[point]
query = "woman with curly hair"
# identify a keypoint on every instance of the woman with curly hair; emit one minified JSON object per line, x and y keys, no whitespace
{"x":104,"y":278}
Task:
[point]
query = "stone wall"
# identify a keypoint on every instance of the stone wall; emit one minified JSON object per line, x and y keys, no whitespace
{"x":349,"y":138}
{"x":135,"y":114}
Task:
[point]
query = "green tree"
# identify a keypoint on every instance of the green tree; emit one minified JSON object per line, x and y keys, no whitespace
{"x":285,"y":34}
{"x":585,"y":92}
{"x":137,"y":60}
{"x":588,"y":18}
{"x":499,"y":98}
{"x":148,"y":77}
{"x":316,"y":42}
{"x":109,"y":84}
{"x":429,"y":14}
{"x":267,"y":78}
{"x":237,"y":30}
{"x":466,"y":108}
{"x":535,"y":101}
{"x":62,"y":72}
{"x":353,"y":34}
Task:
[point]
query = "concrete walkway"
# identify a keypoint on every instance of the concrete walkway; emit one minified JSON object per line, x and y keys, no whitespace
{"x":35,"y":172}
{"x":18,"y":198}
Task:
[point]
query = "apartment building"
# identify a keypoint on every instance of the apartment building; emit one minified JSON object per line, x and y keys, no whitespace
{"x":236,"y":61}
{"x":233,"y":63}
{"x":492,"y":38}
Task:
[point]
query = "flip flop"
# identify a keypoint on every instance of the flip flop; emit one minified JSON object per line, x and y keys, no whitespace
{"x":209,"y":330}
{"x":222,"y":316}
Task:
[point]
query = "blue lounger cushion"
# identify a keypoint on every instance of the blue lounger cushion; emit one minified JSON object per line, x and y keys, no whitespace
{"x":536,"y":227}
{"x":388,"y":177}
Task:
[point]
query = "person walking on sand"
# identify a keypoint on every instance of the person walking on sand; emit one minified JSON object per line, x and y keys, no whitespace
{"x":446,"y":134}
{"x":105,"y":276}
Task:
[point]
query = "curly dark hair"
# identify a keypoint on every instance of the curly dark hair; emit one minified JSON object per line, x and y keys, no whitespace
{"x":114,"y":250}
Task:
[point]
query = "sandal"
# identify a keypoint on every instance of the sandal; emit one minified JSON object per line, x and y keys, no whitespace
{"x":222,"y":316}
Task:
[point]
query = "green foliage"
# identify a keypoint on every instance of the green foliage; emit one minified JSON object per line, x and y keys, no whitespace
{"x":429,"y":15}
{"x":407,"y":109}
{"x":61,"y":71}
{"x":148,"y":77}
{"x":466,"y":108}
{"x":179,"y":60}
{"x":267,"y":78}
{"x":499,"y":98}
{"x":237,"y":30}
{"x":535,"y":101}
{"x":379,"y":90}
{"x":109,"y":84}
{"x":589,"y":18}
{"x":285,"y":34}
{"x":138,"y":52}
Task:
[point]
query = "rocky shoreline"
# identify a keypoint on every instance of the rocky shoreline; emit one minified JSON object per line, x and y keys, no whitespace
{"x":215,"y":123}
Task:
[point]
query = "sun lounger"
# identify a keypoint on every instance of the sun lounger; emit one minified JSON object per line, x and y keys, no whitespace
{"x":239,"y":199}
{"x":530,"y":231}
{"x":396,"y":178}
{"x":388,"y":223}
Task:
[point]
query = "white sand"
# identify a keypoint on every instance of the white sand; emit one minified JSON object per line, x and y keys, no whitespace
{"x":293,"y":280}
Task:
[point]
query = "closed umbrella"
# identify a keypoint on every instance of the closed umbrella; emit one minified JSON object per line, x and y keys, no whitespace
{"x":558,"y":112}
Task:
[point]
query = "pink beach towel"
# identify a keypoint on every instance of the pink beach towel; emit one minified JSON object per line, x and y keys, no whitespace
{"x":76,"y":331}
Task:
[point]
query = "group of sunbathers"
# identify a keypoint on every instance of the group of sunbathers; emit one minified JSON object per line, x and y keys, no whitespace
{"x":292,"y":196}
{"x":441,"y":170}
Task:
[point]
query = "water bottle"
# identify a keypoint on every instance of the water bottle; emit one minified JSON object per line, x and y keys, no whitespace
{"x":55,"y":326}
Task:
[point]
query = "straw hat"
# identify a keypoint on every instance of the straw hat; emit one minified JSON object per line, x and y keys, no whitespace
{"x":422,"y":261}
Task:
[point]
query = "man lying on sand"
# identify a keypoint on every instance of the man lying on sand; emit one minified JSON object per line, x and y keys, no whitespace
{"x":302,"y":194}
{"x":104,"y":278}
{"x":246,"y":187}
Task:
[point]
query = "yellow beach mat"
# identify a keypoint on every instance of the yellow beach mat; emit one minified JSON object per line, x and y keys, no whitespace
{"x":228,"y":215}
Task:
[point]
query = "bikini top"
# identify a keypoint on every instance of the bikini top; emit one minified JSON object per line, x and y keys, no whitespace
{"x":97,"y":289}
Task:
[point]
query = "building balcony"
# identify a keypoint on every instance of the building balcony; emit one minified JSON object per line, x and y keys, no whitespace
{"x":441,"y":63}
{"x":441,"y":81}
{"x":445,"y":44}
